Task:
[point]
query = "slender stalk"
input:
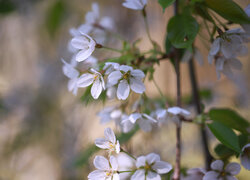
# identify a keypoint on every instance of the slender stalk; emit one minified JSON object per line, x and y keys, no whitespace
{"x":122,"y":150}
{"x":111,"y":49}
{"x":196,"y":99}
{"x":147,"y":26}
{"x":177,"y":170}
{"x":158,"y":88}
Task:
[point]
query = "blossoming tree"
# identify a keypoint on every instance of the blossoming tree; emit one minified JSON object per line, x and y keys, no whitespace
{"x":117,"y":78}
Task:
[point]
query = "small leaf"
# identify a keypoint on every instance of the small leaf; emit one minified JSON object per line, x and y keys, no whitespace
{"x":165,"y":3}
{"x":225,"y":135}
{"x":229,"y":10}
{"x":223,"y":151}
{"x":230,"y":118}
{"x":182,"y":30}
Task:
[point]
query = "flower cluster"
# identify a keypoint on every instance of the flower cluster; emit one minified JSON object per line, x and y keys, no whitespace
{"x":225,"y":50}
{"x":124,"y":165}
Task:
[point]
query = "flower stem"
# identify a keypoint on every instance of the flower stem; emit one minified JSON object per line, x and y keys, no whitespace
{"x":196,"y":98}
{"x":122,"y":150}
{"x":147,"y":26}
{"x":112,"y":49}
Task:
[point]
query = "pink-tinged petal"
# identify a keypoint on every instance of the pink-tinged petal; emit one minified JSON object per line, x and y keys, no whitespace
{"x":85,"y":80}
{"x":114,"y":77}
{"x":152,"y":158}
{"x":162,"y":167}
{"x":215,"y":47}
{"x":134,"y":117}
{"x":211,"y":175}
{"x":97,"y":175}
{"x":138,"y":175}
{"x":153,"y":176}
{"x":140,"y":161}
{"x":217,"y":165}
{"x":233,"y":168}
{"x":123,"y":90}
{"x":137,"y":85}
{"x":137,"y":73}
{"x":110,"y":135}
{"x":96,"y":88}
{"x":101,"y":163}
{"x":102,"y":143}
{"x":114,"y":163}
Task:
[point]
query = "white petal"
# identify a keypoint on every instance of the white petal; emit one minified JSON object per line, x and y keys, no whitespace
{"x":80,"y":42}
{"x":85,"y":28}
{"x":174,"y":110}
{"x":123,"y":90}
{"x":153,"y":176}
{"x":116,"y":176}
{"x":145,"y":125}
{"x":114,"y":163}
{"x":114,"y":77}
{"x":235,"y":63}
{"x":219,"y":64}
{"x":210,"y":58}
{"x":85,"y":80}
{"x":215,"y":47}
{"x":107,"y":23}
{"x":97,"y":175}
{"x":96,"y":88}
{"x":230,"y":178}
{"x":117,"y":147}
{"x":72,"y":86}
{"x":138,"y":175}
{"x":162,"y":167}
{"x":137,"y":73}
{"x":69,"y":70}
{"x":101,"y":163}
{"x":217,"y":165}
{"x":233,"y":168}
{"x":110,"y":135}
{"x":84,"y":54}
{"x":244,"y":157}
{"x":137,"y":85}
{"x":149,"y":118}
{"x":134,"y":117}
{"x":126,"y":68}
{"x":127,"y":126}
{"x":102,"y":143}
{"x":140,"y":161}
{"x":152,"y":158}
{"x":211,"y":175}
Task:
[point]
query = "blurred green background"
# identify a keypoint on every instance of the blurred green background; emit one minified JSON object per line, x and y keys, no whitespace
{"x":45,"y":130}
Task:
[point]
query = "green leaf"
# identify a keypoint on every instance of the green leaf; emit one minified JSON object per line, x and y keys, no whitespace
{"x":84,"y":156}
{"x":165,"y":3}
{"x":182,"y":30}
{"x":55,"y":16}
{"x":223,"y":151}
{"x":229,"y":10}
{"x":229,"y":118}
{"x":225,"y":135}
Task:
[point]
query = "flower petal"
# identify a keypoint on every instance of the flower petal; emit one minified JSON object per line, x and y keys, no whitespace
{"x":110,"y":135}
{"x":96,"y":88}
{"x":97,"y":174}
{"x":101,"y":163}
{"x":114,"y":77}
{"x":137,"y":73}
{"x":152,"y":158}
{"x":123,"y":90}
{"x":140,"y":161}
{"x":137,"y":85}
{"x":217,"y":165}
{"x":215,"y":47}
{"x":211,"y":175}
{"x":162,"y":167}
{"x":138,"y":175}
{"x":114,"y":163}
{"x":134,"y":117}
{"x":153,"y":176}
{"x":102,"y":143}
{"x":233,"y":168}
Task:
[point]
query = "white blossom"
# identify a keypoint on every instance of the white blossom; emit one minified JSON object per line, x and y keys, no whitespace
{"x":110,"y":114}
{"x":106,"y":170}
{"x":150,"y":167}
{"x":218,"y":171}
{"x":94,"y":78}
{"x":109,"y":142}
{"x":144,"y":121}
{"x":230,"y":44}
{"x":85,"y":46}
{"x":126,"y":77}
{"x":135,"y":4}
{"x":195,"y":174}
{"x":245,"y":156}
{"x":174,"y":113}
{"x":226,"y":66}
{"x":109,"y":67}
